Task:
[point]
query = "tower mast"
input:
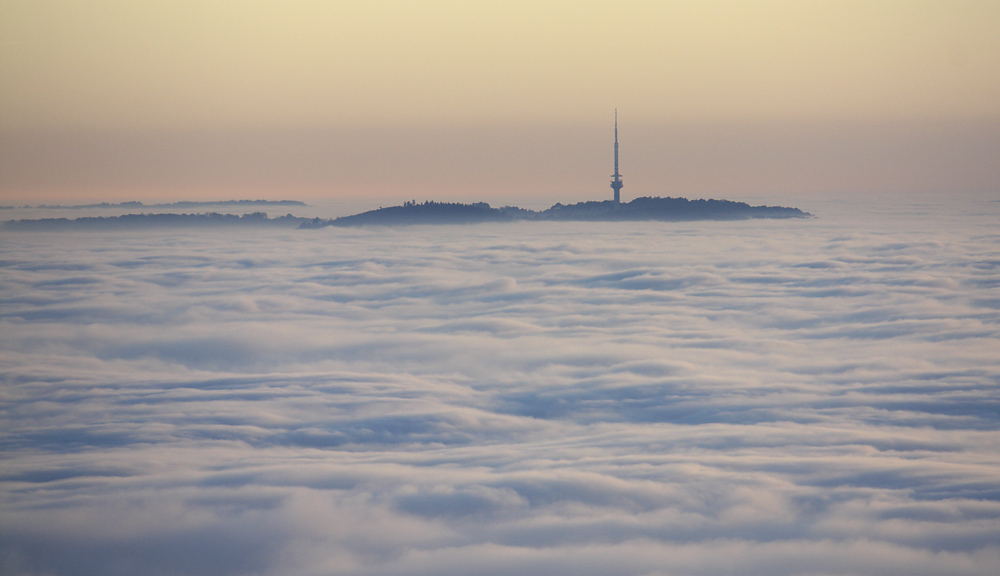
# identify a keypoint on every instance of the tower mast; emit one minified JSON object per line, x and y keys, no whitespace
{"x":616,"y":182}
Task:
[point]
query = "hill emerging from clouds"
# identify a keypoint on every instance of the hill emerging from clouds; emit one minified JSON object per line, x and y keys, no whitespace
{"x":430,"y":212}
{"x":646,"y":208}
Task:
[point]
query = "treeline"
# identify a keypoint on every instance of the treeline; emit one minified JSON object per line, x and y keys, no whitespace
{"x":668,"y":209}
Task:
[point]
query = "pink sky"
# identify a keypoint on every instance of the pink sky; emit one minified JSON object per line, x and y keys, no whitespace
{"x":498,"y":101}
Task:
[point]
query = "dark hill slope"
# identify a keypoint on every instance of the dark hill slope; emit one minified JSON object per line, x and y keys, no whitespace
{"x":664,"y":209}
{"x":426,"y":213}
{"x":668,"y":209}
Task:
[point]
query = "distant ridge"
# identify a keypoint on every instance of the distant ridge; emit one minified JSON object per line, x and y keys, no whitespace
{"x":180,"y":205}
{"x":146,"y":221}
{"x":646,"y":208}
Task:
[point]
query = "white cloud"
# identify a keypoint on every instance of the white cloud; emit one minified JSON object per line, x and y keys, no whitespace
{"x":815,"y":397}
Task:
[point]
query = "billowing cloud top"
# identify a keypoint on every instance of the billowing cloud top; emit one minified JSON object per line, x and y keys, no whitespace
{"x":792,"y":397}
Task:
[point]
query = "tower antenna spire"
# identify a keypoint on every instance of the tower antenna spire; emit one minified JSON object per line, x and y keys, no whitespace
{"x":616,"y":182}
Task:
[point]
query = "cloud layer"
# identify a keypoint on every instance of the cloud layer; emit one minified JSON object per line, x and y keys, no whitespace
{"x":791,"y":397}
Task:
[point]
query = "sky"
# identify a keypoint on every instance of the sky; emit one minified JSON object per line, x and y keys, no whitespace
{"x":513,"y":100}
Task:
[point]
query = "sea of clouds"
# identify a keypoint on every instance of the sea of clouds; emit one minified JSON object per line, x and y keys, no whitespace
{"x":783,"y":397}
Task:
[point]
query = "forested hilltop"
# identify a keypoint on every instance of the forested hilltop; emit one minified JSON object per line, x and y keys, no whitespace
{"x":646,"y":208}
